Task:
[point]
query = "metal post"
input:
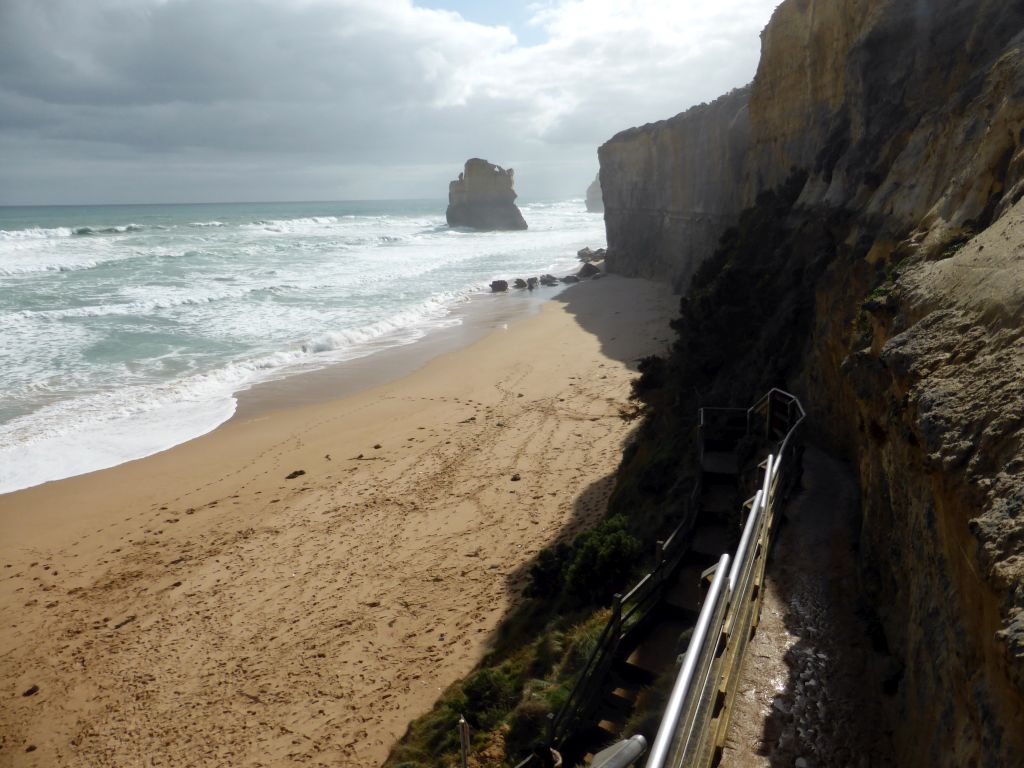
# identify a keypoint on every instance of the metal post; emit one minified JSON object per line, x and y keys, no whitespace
{"x":659,"y":552}
{"x":464,"y":738}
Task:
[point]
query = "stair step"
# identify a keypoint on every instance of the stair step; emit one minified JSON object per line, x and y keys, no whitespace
{"x":678,"y":614}
{"x":700,"y":560}
{"x":713,"y":540}
{"x":686,"y":591}
{"x":723,"y":441}
{"x":617,"y":707}
{"x":718,"y":499}
{"x":590,"y":741}
{"x":720,"y":463}
{"x":633,"y":676}
{"x":660,"y":647}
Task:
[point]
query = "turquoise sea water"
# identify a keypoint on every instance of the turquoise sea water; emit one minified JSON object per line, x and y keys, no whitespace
{"x":129,"y":329}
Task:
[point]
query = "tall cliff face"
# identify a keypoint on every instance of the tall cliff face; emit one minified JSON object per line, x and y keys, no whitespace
{"x":930,"y":391}
{"x":894,"y":307}
{"x":672,"y":188}
{"x":904,"y":112}
{"x":907,"y":112}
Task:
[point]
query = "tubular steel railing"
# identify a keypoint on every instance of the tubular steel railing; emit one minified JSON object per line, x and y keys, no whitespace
{"x":693,"y":730}
{"x":732,"y":603}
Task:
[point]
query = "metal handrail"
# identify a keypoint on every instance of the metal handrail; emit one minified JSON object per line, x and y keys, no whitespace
{"x":739,"y":563}
{"x":681,"y":724}
{"x":688,"y":673}
{"x":737,"y":580}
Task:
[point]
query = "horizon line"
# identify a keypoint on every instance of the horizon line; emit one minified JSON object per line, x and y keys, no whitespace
{"x":261,"y":202}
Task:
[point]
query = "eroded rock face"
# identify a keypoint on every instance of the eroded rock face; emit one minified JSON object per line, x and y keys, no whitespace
{"x":906,"y":119}
{"x":904,"y":112}
{"x":595,"y":202}
{"x":483,"y":198}
{"x":928,"y":395}
{"x":671,"y":188}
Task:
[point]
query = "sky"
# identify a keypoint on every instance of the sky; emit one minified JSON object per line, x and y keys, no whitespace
{"x":158,"y":101}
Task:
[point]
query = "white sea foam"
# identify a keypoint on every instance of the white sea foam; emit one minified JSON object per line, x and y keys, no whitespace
{"x":123,"y":343}
{"x":32,"y":268}
{"x":292,"y":226}
{"x":147,"y":307}
{"x":36,"y":233}
{"x":105,"y":429}
{"x":49,"y":233}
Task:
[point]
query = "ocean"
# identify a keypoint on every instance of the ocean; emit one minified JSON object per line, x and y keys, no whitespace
{"x":127,"y":330}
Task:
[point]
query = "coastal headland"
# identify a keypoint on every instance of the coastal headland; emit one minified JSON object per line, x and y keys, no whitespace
{"x":297,"y":585}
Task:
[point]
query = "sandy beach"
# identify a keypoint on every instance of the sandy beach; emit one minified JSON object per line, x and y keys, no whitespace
{"x":198,"y":607}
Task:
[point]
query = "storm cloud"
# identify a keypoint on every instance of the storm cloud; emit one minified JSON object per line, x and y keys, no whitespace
{"x":167,"y":100}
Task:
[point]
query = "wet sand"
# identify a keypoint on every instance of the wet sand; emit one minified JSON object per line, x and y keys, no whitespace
{"x":199,"y":608}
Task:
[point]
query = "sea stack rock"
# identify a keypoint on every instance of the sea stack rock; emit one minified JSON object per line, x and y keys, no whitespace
{"x":483,"y":198}
{"x":595,"y":200}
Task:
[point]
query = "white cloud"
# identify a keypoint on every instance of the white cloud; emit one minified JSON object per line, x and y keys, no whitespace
{"x":372,"y":88}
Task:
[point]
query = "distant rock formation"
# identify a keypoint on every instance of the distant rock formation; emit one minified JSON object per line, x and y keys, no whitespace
{"x":595,"y":201}
{"x":483,"y":198}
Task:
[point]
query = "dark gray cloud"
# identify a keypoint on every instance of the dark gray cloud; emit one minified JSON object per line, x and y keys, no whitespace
{"x":159,"y":100}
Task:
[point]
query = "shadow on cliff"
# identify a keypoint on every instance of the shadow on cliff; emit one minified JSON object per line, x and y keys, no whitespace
{"x":831,"y":710}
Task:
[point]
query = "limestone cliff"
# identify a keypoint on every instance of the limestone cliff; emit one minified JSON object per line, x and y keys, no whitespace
{"x":930,"y":393}
{"x":889,"y":294}
{"x":595,"y":201}
{"x":483,"y":198}
{"x":874,"y":98}
{"x":671,"y":188}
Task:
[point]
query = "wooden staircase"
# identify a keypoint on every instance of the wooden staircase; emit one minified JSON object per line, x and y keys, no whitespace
{"x":655,"y":645}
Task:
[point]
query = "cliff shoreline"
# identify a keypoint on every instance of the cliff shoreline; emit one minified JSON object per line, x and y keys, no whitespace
{"x":883,"y":285}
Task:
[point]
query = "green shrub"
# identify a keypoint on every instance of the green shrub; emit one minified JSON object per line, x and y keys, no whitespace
{"x":603,"y":560}
{"x":490,"y":693}
{"x":580,"y":644}
{"x":528,"y":728}
{"x":653,"y":375}
{"x":546,"y":652}
{"x":546,"y":573}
